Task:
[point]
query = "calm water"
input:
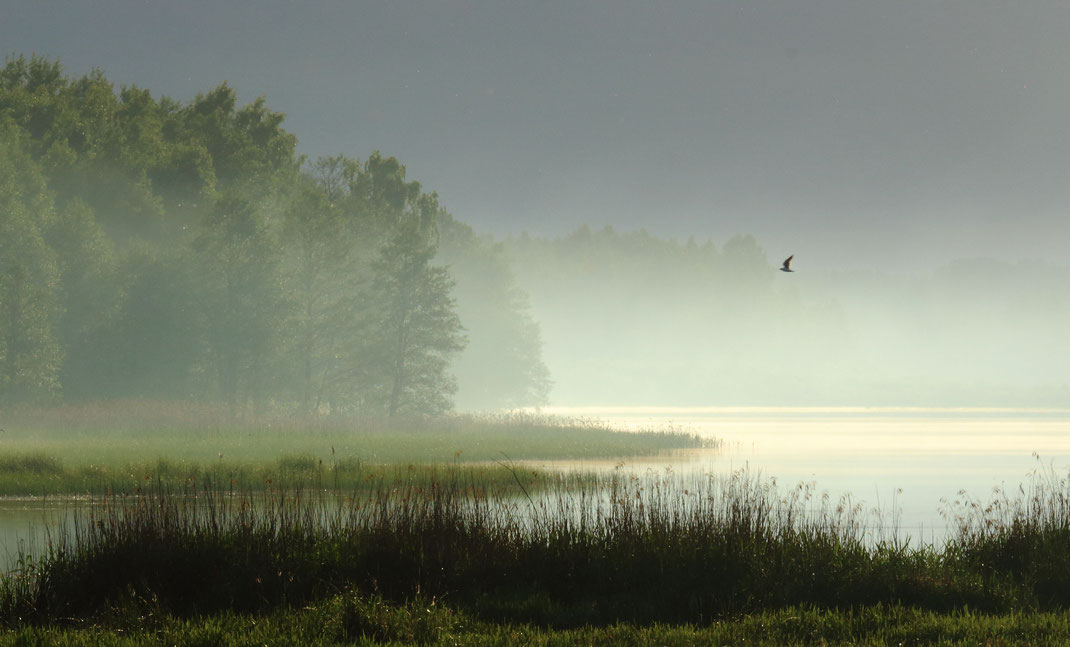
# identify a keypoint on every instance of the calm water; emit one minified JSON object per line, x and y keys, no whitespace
{"x":26,"y":521}
{"x":902,"y":459}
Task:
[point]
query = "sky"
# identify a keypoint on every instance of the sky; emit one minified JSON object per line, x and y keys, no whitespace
{"x":852,"y":134}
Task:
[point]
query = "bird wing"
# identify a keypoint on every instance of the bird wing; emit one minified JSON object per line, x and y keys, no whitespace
{"x":787,"y":263}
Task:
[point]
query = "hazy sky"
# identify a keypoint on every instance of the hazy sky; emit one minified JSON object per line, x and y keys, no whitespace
{"x":900,"y":132}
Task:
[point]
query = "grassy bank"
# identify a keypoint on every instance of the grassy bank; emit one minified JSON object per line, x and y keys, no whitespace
{"x":36,"y":475}
{"x":123,"y":446}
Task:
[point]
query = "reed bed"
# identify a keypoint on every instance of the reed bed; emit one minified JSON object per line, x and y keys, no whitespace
{"x":591,"y":551}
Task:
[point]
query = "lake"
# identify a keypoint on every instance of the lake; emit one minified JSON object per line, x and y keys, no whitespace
{"x":902,"y":459}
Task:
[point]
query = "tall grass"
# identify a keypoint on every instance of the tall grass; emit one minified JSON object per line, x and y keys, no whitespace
{"x":1024,"y":536}
{"x":618,"y":548}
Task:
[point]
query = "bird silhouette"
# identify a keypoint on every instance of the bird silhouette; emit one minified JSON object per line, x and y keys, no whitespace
{"x":787,"y":264}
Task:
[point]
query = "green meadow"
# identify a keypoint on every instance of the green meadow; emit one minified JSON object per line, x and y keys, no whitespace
{"x":126,"y":446}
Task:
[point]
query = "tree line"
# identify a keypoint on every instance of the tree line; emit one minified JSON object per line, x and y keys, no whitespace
{"x":164,"y":249}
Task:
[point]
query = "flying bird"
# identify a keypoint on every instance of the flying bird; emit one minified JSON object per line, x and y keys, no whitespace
{"x":787,"y":264}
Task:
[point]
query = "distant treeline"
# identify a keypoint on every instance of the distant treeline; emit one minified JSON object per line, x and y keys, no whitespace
{"x":183,"y":250}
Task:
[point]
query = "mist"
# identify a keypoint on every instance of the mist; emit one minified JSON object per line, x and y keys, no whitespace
{"x":629,"y":318}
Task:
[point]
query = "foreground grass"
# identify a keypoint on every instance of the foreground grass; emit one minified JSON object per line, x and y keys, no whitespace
{"x":351,"y":618}
{"x":117,"y":447}
{"x":595,"y":552}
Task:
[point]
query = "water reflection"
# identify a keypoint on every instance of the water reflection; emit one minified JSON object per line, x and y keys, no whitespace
{"x":26,"y":523}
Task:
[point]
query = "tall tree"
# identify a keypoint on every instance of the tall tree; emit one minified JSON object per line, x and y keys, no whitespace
{"x":242,"y":300}
{"x":30,"y":354}
{"x":323,"y":275}
{"x":417,"y":331}
{"x":88,"y":293}
{"x":156,"y":349}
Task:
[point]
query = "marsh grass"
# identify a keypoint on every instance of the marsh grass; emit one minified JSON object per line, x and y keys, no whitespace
{"x":617,"y":548}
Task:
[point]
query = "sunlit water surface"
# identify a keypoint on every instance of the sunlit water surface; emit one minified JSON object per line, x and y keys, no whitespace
{"x":910,"y":464}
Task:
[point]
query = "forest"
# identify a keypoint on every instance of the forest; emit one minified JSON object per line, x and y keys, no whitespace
{"x":153,"y":248}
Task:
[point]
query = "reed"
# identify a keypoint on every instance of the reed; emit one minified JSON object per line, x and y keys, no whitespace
{"x":617,"y":548}
{"x":1022,"y":536}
